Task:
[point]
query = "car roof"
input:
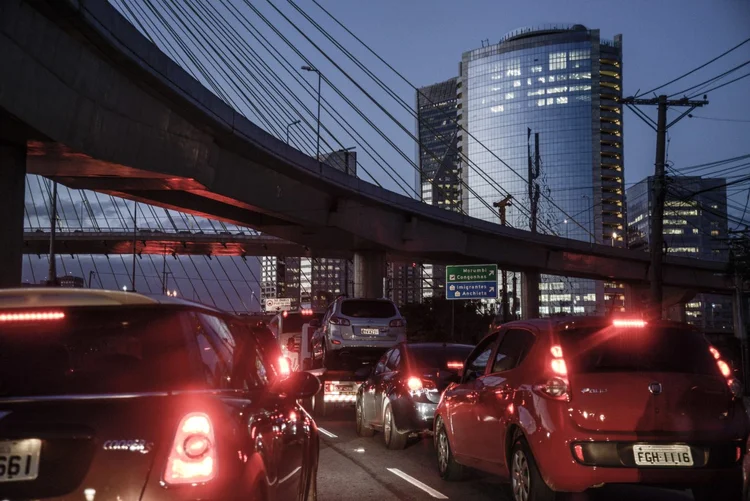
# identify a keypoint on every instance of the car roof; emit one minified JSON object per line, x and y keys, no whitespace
{"x":437,"y":345}
{"x":569,"y":321}
{"x":58,"y":297}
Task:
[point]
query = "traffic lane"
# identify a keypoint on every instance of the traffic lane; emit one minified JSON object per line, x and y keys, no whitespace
{"x":366,"y":463}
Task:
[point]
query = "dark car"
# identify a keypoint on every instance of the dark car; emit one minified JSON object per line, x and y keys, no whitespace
{"x":570,"y":404}
{"x":402,"y":393}
{"x":113,"y":395}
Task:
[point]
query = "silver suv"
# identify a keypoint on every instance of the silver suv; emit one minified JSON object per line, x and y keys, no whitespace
{"x":360,"y":323}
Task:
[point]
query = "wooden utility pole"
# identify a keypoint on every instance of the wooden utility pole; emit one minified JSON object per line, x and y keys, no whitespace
{"x":659,"y":193}
{"x":501,"y":208}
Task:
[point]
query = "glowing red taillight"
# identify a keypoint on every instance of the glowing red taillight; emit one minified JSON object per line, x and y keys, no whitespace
{"x":578,"y":449}
{"x":455,"y":365}
{"x":31,"y":316}
{"x":559,"y":367}
{"x":714,"y":352}
{"x":284,"y":367}
{"x":726,"y":371}
{"x":192,"y":458}
{"x":556,"y":386}
{"x":414,"y":383}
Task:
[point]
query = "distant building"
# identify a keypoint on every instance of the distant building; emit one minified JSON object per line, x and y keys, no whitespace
{"x":439,"y":178}
{"x":311,"y":282}
{"x":695,"y":225}
{"x":404,"y":282}
{"x":556,"y":90}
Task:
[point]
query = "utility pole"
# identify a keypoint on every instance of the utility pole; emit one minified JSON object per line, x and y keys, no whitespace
{"x":659,"y":193}
{"x":502,"y":205}
{"x":52,"y":273}
{"x":531,"y":278}
{"x":135,"y":243}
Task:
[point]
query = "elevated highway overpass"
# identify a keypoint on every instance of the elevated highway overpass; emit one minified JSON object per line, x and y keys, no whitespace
{"x":93,"y":104}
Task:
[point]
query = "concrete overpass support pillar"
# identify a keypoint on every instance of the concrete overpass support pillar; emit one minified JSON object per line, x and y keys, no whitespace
{"x":12,"y":193}
{"x":369,"y":271}
{"x":530,"y":295}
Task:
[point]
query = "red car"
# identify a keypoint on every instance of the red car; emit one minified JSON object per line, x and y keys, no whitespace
{"x":567,"y":404}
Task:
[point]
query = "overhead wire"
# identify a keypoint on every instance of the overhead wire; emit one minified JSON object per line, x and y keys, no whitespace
{"x":710,"y":80}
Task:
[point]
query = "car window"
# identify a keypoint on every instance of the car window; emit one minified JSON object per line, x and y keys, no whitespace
{"x":368,"y":308}
{"x":394,"y":360}
{"x":480,"y":357}
{"x":513,"y":349}
{"x":98,"y":350}
{"x":253,"y":363}
{"x":380,"y":367}
{"x":214,"y":353}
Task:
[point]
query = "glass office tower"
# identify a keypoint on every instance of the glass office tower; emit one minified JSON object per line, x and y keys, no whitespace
{"x":544,"y":102}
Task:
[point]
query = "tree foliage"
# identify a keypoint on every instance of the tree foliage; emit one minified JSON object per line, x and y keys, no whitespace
{"x":431,"y":320}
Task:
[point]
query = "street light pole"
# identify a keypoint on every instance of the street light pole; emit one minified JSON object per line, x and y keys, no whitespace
{"x":296,"y":122}
{"x":52,"y":274}
{"x":317,"y":148}
{"x":502,"y":206}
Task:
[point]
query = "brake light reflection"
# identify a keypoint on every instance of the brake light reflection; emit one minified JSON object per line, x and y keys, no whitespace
{"x":414,"y":384}
{"x":284,"y":366}
{"x":455,"y":365}
{"x":31,"y":316}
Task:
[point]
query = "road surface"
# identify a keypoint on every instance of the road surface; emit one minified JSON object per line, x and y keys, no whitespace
{"x":362,"y":469}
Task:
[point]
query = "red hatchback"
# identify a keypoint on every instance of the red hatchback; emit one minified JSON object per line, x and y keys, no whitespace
{"x":564,"y":405}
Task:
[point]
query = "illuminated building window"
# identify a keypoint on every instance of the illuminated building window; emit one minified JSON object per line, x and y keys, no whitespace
{"x":675,"y":222}
{"x":576,"y":88}
{"x":497,"y":109}
{"x":510,"y":95}
{"x":695,"y":231}
{"x":517,"y":83}
{"x":561,"y":100}
{"x":539,"y":92}
{"x":578,"y":55}
{"x":542,"y":80}
{"x":589,"y":297}
{"x":557,"y":61}
{"x":550,"y":100}
{"x":693,"y":305}
{"x":714,"y":233}
{"x":528,"y":81}
{"x":691,"y":250}
{"x":536,"y":69}
{"x":673,"y":231}
{"x":513,"y":73}
{"x":556,"y":90}
{"x":540,"y":102}
{"x":680,"y":203}
{"x":581,"y":76}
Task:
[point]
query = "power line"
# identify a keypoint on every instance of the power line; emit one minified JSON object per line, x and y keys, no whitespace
{"x":720,"y":119}
{"x":693,"y":70}
{"x":710,"y":80}
{"x":722,"y":85}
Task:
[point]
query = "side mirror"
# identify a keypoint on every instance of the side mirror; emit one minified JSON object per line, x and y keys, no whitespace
{"x":299,"y":385}
{"x":314,"y":323}
{"x":363,"y":372}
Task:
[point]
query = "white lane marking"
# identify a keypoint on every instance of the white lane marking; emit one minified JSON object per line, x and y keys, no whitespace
{"x":297,"y":469}
{"x":327,"y":433}
{"x":413,"y":481}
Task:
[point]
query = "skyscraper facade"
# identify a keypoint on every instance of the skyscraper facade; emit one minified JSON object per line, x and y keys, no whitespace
{"x":695,"y":225}
{"x":541,"y":108}
{"x":439,"y":177}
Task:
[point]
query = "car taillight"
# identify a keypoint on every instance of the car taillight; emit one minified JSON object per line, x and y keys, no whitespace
{"x":735,"y":386}
{"x":397,"y":323}
{"x":340,"y":321}
{"x":192,"y":458}
{"x":557,"y":385}
{"x":32,"y":316}
{"x":629,"y":323}
{"x":455,"y":365}
{"x":284,"y":366}
{"x":417,"y":386}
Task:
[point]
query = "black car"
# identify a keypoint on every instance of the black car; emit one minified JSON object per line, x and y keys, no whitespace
{"x":402,"y":393}
{"x":112,"y":395}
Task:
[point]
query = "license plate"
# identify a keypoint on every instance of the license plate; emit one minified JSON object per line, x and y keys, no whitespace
{"x":370,"y":332}
{"x":19,"y":460}
{"x":662,"y":455}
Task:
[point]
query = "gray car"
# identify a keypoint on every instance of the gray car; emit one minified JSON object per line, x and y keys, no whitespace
{"x":359,"y":323}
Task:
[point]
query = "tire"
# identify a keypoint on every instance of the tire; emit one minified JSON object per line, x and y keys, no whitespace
{"x":362,"y":429}
{"x":448,"y":468}
{"x":527,"y":483}
{"x":394,"y":439}
{"x":727,"y":492}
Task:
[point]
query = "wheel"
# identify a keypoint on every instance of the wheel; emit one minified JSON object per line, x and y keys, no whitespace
{"x":729,"y":492}
{"x":319,"y":405}
{"x":448,"y":468}
{"x":362,"y":429}
{"x":394,"y":439}
{"x":527,"y":483}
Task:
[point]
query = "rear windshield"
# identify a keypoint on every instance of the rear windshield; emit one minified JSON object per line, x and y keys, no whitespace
{"x":634,"y":349}
{"x":359,"y":308}
{"x":293,"y":322}
{"x":447,"y":358}
{"x":102,"y":350}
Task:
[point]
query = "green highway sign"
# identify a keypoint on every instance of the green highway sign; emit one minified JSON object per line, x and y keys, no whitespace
{"x":471,"y":281}
{"x":471,"y":273}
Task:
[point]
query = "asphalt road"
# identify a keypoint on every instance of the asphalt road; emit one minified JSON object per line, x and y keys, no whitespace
{"x":362,"y":469}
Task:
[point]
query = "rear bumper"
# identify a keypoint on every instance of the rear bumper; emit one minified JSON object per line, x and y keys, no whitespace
{"x":413,"y":416}
{"x":384,"y":343}
{"x":612,"y":463}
